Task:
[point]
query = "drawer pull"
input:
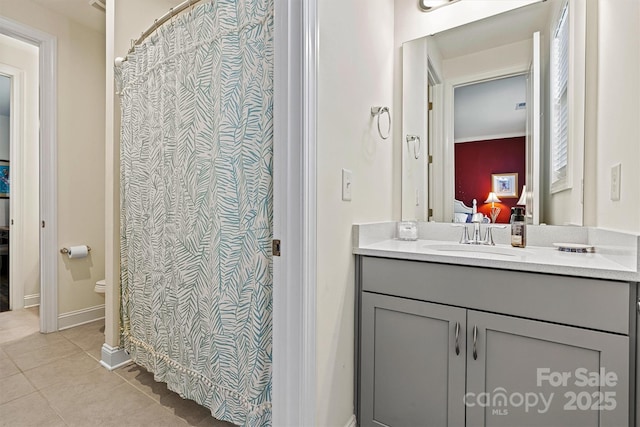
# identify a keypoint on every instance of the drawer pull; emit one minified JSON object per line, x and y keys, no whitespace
{"x":475,"y":343}
{"x":457,"y":338}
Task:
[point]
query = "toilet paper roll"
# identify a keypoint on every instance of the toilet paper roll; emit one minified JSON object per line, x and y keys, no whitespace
{"x":78,"y":251}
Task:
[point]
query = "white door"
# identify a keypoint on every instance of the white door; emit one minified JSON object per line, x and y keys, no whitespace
{"x":533,"y":182}
{"x":414,"y":130}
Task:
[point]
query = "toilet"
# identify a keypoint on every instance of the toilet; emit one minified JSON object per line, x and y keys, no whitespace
{"x":100,"y":287}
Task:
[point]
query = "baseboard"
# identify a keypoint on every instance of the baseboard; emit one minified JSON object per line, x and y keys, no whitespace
{"x":352,"y":422}
{"x":80,"y":317}
{"x":113,"y":357}
{"x":31,"y":300}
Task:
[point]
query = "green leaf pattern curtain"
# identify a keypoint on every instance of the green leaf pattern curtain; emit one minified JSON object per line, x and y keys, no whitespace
{"x":197,"y":206}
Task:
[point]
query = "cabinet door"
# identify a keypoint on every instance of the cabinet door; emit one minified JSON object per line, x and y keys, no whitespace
{"x":412,"y":367}
{"x":527,"y":373}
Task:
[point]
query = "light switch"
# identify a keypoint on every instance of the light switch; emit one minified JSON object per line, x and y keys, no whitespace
{"x":616,"y":176}
{"x":346,"y":185}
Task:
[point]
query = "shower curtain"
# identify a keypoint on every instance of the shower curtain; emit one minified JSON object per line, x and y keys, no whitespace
{"x":197,"y":206}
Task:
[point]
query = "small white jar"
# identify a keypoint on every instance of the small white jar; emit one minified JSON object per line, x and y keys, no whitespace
{"x":408,"y":230}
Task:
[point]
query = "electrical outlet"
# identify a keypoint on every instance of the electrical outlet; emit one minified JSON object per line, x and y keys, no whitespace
{"x":347,"y":184}
{"x":616,"y":176}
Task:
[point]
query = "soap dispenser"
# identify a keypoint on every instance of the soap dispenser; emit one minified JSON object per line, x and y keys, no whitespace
{"x":518,"y":227}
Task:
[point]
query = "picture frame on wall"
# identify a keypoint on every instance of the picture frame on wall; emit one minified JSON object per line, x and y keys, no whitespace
{"x":505,"y":185}
{"x":5,"y":180}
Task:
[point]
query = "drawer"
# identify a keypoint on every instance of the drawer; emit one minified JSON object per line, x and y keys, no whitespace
{"x":588,"y":303}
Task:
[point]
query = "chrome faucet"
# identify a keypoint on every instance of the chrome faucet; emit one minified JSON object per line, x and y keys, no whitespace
{"x":478,"y":218}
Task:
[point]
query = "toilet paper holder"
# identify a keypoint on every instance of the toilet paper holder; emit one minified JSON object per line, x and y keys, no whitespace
{"x":66,"y":250}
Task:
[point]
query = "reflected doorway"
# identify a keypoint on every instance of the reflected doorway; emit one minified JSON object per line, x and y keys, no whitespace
{"x":490,"y":142}
{"x":19,"y":174}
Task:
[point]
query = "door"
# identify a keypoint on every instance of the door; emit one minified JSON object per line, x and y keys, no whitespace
{"x":412,"y":362}
{"x":528,"y":373}
{"x":415,"y":97}
{"x":533,"y":154}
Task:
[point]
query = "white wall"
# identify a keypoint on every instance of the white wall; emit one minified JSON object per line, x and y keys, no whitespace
{"x":134,"y":17}
{"x":355,"y":73}
{"x":81,"y":103}
{"x":618,"y":132}
{"x":26,"y":274}
{"x":590,"y":197}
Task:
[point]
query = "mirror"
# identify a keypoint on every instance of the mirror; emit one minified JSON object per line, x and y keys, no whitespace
{"x":482,"y":112}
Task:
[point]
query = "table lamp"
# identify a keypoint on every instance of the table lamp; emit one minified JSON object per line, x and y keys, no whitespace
{"x":492,"y":198}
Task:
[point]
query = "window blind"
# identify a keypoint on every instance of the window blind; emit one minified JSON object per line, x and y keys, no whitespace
{"x":559,"y":89}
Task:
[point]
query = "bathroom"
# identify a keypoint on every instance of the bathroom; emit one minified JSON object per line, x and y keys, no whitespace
{"x":370,"y":40}
{"x":359,"y":57}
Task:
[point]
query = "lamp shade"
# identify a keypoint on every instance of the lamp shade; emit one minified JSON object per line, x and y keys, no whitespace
{"x":523,"y":197}
{"x":492,"y":198}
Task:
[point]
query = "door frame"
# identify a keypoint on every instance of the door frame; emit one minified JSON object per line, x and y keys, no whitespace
{"x":47,"y":45}
{"x":294,"y":223}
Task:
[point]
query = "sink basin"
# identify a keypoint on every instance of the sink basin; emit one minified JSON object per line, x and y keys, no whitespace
{"x":477,"y":249}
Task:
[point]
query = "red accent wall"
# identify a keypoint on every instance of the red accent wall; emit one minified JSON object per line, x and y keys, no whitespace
{"x":476,"y":161}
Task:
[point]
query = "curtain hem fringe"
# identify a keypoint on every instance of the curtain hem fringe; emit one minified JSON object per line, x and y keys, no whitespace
{"x":253,"y":408}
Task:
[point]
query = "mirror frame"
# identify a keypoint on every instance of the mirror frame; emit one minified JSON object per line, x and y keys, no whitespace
{"x":441,"y":184}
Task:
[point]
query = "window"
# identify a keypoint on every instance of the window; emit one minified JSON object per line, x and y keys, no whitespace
{"x":559,"y":102}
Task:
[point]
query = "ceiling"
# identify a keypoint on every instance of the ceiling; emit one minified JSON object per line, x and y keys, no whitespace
{"x":77,"y":10}
{"x":499,"y":30}
{"x":487,"y":110}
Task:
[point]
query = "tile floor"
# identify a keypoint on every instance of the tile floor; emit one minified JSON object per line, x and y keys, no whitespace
{"x":56,"y":380}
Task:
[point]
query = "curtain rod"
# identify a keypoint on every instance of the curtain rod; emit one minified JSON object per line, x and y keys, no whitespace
{"x":158,"y":22}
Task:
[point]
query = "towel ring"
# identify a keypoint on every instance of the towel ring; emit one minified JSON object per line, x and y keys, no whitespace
{"x":378,"y":111}
{"x":417,"y":146}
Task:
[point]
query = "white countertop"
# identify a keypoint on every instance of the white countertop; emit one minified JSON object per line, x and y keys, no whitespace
{"x":608,"y":265}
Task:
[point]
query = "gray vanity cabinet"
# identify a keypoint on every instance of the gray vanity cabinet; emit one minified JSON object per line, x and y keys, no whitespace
{"x":413,"y":369}
{"x":509,"y":352}
{"x":526,"y":352}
